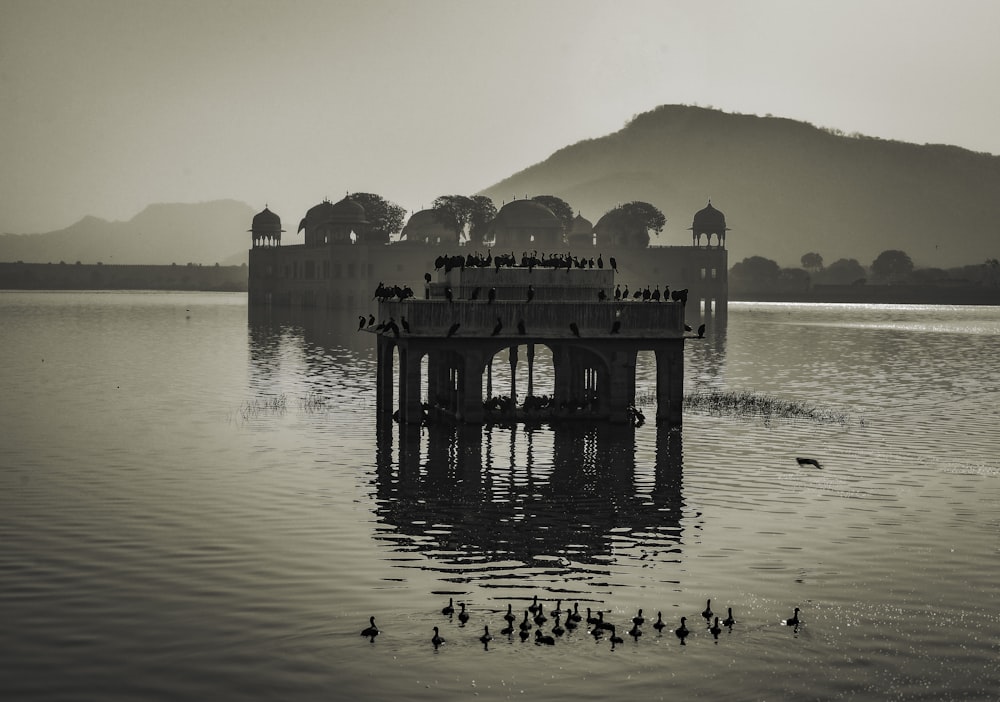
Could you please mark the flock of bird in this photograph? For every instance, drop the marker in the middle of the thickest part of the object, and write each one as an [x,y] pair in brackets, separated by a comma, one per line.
[565,621]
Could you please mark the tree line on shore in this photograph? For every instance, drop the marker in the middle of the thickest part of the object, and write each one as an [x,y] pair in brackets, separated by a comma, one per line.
[891,267]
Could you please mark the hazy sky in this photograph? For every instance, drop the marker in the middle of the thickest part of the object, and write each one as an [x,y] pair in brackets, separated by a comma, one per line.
[110,105]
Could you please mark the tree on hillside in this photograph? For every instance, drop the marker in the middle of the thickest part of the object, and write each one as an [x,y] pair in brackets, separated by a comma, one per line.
[892,266]
[843,271]
[560,208]
[812,261]
[384,218]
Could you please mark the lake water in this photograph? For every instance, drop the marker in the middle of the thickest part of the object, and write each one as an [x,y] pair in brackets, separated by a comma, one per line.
[194,505]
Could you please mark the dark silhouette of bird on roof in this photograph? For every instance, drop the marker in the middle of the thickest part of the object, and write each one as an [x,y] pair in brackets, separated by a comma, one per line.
[406,325]
[427,278]
[531,293]
[492,296]
[600,261]
[575,329]
[618,291]
[808,462]
[361,322]
[371,319]
[614,264]
[687,327]
[616,327]
[448,295]
[380,326]
[453,328]
[701,331]
[520,327]
[601,295]
[393,327]
[497,328]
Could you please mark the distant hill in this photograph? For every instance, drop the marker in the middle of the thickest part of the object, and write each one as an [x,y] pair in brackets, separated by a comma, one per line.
[786,187]
[205,232]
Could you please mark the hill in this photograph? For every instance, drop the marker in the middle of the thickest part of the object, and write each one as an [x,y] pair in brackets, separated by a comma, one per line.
[786,187]
[164,233]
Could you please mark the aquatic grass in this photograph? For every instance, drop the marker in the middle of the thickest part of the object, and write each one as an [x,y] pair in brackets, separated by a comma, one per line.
[313,402]
[753,405]
[262,406]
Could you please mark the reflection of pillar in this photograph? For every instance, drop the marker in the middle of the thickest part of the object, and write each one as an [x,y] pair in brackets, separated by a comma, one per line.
[621,385]
[513,374]
[531,370]
[561,365]
[670,384]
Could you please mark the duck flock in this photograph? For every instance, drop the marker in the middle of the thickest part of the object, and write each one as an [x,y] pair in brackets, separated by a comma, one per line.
[546,627]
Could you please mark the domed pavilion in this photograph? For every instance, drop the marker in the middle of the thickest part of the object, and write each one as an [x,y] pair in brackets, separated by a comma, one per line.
[329,223]
[265,229]
[526,224]
[709,221]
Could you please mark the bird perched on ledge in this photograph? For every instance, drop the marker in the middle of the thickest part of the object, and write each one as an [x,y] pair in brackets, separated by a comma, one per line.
[575,329]
[453,328]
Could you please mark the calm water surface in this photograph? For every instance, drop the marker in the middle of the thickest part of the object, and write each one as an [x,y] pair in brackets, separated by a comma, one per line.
[198,506]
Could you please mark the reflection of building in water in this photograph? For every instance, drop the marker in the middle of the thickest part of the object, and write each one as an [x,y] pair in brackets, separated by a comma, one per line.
[340,262]
[463,501]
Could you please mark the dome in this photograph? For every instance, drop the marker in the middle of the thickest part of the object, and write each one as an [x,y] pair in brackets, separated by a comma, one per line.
[425,225]
[266,222]
[581,226]
[526,214]
[709,220]
[348,211]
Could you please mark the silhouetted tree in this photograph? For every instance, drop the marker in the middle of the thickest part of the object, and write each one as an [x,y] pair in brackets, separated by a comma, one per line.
[560,208]
[843,271]
[892,266]
[756,271]
[632,222]
[812,261]
[454,212]
[483,212]
[384,218]
[793,279]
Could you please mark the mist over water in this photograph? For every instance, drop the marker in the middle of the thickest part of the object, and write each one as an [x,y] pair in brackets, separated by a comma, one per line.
[194,505]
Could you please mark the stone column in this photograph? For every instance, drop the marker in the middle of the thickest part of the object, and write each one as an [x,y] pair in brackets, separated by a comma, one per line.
[670,384]
[383,376]
[513,374]
[472,411]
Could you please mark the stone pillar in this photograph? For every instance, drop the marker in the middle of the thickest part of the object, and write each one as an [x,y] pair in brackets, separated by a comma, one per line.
[670,384]
[621,388]
[410,409]
[383,376]
[471,396]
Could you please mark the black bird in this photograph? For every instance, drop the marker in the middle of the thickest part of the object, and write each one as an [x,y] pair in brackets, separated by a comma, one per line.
[427,278]
[497,328]
[601,295]
[614,264]
[540,617]
[543,640]
[625,293]
[534,606]
[794,620]
[436,639]
[486,637]
[715,628]
[729,621]
[361,322]
[463,616]
[687,327]
[575,614]
[708,610]
[449,609]
[600,261]
[510,615]
[682,630]
[615,638]
[406,325]
[659,624]
[575,329]
[448,295]
[525,624]
[371,631]
[492,295]
[557,629]
[393,327]
[618,292]
[638,618]
[616,327]
[475,294]
[701,331]
[371,319]
[453,328]
[520,327]
[635,632]
[808,462]
[380,326]
[531,293]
